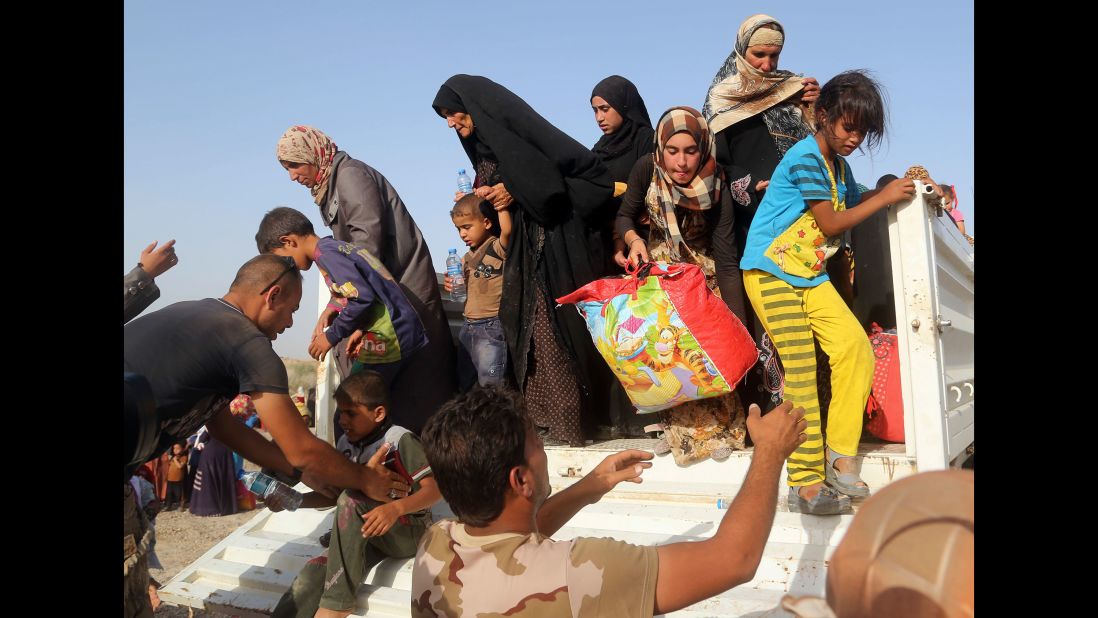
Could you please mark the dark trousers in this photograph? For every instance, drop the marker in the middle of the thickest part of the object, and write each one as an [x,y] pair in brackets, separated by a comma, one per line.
[175,493]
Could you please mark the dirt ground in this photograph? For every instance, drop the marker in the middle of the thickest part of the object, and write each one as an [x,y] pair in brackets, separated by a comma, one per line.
[181,538]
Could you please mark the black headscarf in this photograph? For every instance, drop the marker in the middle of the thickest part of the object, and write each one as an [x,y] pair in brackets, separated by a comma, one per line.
[562,194]
[635,138]
[547,172]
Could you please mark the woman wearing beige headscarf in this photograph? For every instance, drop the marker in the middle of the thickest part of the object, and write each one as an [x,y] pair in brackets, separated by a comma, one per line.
[685,196]
[756,113]
[362,208]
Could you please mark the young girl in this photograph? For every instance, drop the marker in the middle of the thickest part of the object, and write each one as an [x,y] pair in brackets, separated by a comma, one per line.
[798,226]
[949,192]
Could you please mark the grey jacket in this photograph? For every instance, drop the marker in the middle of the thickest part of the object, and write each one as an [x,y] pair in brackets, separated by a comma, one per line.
[362,208]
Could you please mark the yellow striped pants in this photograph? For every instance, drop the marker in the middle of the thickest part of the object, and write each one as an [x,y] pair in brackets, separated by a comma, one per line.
[795,318]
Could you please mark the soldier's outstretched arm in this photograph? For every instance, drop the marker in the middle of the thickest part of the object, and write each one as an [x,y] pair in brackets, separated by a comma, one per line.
[622,466]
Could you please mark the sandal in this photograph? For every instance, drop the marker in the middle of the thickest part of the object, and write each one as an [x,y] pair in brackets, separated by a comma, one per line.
[827,502]
[846,482]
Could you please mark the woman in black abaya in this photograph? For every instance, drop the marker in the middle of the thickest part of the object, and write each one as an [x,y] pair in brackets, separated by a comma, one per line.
[561,196]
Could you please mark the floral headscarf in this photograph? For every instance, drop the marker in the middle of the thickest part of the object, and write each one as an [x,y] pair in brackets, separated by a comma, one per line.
[303,144]
[739,90]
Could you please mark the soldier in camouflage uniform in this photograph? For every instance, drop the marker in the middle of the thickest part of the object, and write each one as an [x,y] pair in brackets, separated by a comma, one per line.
[499,559]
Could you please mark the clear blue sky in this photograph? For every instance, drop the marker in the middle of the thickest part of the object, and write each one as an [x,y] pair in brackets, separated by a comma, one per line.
[210,87]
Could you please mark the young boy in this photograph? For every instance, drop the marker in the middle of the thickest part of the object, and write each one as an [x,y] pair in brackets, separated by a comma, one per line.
[364,532]
[177,472]
[380,325]
[486,231]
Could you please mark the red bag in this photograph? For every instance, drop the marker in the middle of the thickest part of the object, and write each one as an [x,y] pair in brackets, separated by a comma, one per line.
[666,337]
[885,407]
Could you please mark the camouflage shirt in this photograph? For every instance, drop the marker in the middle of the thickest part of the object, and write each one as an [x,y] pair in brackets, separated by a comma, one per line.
[530,576]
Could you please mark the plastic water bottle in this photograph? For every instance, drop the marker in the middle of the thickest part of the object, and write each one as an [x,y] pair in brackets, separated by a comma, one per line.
[457,279]
[723,503]
[465,184]
[266,487]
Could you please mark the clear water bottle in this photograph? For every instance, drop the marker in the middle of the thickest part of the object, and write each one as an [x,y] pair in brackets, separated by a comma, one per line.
[457,279]
[465,184]
[266,487]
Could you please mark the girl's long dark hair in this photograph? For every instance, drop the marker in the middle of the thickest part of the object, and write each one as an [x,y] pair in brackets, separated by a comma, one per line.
[858,99]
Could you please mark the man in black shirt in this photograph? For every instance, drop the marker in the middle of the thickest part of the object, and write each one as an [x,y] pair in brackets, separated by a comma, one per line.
[198,355]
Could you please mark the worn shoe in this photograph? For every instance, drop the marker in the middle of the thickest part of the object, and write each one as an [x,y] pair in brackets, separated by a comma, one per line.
[846,482]
[827,502]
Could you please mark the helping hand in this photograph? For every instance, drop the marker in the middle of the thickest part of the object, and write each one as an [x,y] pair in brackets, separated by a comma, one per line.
[624,466]
[498,195]
[381,483]
[780,432]
[319,346]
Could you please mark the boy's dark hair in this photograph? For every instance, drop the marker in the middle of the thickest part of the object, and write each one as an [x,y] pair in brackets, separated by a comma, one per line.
[471,204]
[857,98]
[884,180]
[472,443]
[365,388]
[280,222]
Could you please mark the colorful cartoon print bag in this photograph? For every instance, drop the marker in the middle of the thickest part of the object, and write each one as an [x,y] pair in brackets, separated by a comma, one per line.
[666,337]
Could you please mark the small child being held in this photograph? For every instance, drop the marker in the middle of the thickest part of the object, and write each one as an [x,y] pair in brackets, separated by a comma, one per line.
[364,531]
[486,230]
[380,325]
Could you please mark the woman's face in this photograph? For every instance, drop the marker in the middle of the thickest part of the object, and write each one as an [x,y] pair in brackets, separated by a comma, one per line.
[459,121]
[681,157]
[607,117]
[302,173]
[763,57]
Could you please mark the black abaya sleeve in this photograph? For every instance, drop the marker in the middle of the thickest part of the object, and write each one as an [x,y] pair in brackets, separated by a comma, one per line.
[727,259]
[632,202]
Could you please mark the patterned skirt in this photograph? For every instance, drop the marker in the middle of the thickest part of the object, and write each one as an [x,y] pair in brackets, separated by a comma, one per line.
[551,391]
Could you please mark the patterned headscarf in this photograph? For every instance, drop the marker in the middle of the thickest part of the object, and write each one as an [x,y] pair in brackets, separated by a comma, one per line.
[739,90]
[302,144]
[704,189]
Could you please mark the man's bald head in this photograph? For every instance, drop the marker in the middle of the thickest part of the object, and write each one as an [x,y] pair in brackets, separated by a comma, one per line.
[263,270]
